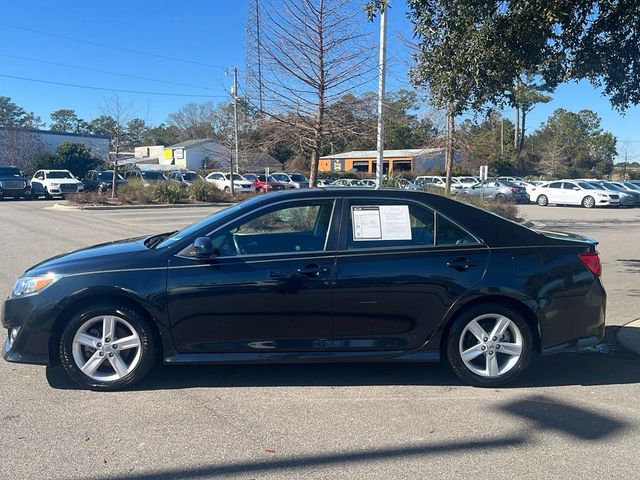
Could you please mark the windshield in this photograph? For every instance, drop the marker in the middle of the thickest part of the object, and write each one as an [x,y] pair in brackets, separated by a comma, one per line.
[586,186]
[632,186]
[152,175]
[59,175]
[9,172]
[190,176]
[298,178]
[202,223]
[107,176]
[612,186]
[235,177]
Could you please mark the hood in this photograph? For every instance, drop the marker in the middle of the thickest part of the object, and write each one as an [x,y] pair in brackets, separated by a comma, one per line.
[64,180]
[130,253]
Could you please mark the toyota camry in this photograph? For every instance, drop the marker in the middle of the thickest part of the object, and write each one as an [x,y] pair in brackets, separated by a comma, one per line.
[314,275]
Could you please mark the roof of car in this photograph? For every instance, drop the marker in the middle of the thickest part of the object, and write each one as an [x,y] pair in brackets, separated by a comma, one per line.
[495,231]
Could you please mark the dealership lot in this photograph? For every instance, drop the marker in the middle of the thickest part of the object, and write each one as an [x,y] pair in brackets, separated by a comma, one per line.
[574,413]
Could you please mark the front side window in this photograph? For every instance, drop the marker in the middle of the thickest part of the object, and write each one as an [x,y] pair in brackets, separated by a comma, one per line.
[294,227]
[568,186]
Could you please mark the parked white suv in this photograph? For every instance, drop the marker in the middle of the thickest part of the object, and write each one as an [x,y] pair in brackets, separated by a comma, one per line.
[222,181]
[574,192]
[51,183]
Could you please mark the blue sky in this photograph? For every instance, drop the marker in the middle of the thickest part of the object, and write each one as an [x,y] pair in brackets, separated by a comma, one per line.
[210,33]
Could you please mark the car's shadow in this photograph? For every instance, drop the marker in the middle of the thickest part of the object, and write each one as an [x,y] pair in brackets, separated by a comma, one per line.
[608,364]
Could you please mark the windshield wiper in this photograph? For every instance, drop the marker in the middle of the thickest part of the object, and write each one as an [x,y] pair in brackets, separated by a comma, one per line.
[154,240]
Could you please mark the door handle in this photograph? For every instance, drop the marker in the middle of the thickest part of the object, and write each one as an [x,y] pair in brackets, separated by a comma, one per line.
[312,270]
[461,264]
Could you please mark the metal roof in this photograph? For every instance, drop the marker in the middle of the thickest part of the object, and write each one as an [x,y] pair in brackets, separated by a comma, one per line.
[408,152]
[192,143]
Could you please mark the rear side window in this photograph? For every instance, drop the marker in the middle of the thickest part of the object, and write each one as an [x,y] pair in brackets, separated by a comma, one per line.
[448,233]
[555,185]
[389,223]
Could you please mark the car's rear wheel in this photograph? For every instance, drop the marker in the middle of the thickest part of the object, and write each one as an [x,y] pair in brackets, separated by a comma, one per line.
[500,198]
[588,202]
[542,200]
[227,189]
[489,345]
[107,347]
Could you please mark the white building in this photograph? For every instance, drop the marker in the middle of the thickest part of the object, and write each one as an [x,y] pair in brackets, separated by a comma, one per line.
[196,154]
[19,143]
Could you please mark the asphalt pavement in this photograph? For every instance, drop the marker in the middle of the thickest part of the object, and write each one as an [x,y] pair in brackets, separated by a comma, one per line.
[570,416]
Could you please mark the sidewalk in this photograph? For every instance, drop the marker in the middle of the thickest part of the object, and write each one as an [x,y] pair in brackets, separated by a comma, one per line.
[629,336]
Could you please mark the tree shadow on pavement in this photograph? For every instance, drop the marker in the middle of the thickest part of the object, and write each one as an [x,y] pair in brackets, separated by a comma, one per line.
[538,414]
[596,366]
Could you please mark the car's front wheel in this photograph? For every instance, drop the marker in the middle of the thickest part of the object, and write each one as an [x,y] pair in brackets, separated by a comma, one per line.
[107,347]
[489,345]
[588,202]
[542,200]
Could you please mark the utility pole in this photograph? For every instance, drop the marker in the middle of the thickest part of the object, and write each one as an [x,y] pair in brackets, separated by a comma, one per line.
[626,158]
[502,137]
[382,65]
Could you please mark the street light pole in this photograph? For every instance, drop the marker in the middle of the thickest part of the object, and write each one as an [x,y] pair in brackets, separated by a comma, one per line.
[381,84]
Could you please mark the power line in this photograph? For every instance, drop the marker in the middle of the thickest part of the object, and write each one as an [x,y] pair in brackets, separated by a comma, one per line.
[90,87]
[113,47]
[97,70]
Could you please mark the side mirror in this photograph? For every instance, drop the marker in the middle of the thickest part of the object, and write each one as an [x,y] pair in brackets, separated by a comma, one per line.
[576,188]
[203,247]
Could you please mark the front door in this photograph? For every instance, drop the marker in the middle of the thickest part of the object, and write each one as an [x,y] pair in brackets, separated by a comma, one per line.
[267,289]
[397,274]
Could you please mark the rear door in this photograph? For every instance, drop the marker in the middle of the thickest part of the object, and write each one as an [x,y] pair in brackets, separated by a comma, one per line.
[399,268]
[554,192]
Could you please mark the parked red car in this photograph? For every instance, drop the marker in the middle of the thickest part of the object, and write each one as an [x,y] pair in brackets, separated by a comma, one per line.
[263,184]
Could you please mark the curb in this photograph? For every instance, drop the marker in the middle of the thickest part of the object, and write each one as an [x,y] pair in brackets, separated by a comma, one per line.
[629,336]
[60,206]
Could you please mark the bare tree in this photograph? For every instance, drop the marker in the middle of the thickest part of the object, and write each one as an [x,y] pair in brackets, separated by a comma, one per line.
[18,146]
[312,53]
[117,114]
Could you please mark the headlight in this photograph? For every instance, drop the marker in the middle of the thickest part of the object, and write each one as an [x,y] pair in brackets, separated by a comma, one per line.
[32,285]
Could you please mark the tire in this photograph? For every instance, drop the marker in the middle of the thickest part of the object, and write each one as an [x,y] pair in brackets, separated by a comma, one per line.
[227,189]
[542,200]
[47,195]
[500,198]
[487,364]
[97,361]
[588,202]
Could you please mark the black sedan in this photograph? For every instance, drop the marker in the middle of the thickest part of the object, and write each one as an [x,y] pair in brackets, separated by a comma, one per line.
[314,275]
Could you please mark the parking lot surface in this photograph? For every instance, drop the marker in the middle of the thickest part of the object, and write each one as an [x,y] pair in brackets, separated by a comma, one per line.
[570,416]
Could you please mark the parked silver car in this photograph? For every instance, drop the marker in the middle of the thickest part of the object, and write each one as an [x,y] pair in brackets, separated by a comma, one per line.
[501,191]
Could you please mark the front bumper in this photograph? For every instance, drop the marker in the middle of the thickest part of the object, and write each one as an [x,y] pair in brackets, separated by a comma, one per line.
[61,190]
[34,316]
[14,192]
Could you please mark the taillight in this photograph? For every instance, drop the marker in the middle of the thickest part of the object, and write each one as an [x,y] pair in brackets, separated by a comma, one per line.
[514,190]
[591,260]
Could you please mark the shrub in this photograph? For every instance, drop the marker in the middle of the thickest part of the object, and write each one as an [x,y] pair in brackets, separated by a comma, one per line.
[200,191]
[133,193]
[169,193]
[87,198]
[507,210]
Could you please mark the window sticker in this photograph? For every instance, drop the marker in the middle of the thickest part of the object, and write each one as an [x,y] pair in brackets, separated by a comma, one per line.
[381,222]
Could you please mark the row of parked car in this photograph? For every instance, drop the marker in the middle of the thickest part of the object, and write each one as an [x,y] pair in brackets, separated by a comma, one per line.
[58,183]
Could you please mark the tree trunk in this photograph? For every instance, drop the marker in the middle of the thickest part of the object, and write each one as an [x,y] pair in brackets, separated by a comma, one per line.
[516,126]
[114,186]
[449,151]
[522,130]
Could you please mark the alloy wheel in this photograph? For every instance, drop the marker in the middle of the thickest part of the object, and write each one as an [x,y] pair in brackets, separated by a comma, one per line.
[588,202]
[490,345]
[106,348]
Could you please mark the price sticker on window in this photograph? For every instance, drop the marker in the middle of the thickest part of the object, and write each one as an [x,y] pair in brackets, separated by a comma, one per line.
[381,222]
